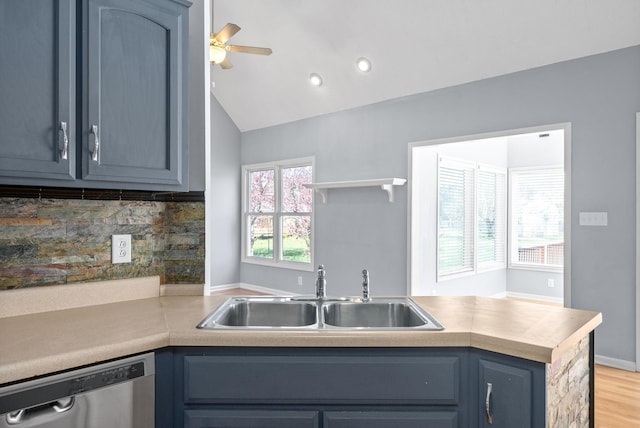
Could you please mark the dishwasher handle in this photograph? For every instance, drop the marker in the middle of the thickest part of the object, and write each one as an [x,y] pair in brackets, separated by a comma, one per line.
[23,415]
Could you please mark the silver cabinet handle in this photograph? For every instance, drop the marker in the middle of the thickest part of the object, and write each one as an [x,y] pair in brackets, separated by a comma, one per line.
[96,147]
[488,404]
[64,152]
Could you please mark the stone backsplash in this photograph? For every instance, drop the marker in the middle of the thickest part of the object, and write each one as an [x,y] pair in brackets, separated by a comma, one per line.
[58,241]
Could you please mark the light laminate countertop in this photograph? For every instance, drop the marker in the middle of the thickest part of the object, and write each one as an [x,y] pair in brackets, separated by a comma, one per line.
[47,341]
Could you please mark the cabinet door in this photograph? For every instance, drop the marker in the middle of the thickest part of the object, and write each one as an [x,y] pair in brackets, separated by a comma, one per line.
[251,419]
[37,90]
[507,391]
[395,419]
[134,93]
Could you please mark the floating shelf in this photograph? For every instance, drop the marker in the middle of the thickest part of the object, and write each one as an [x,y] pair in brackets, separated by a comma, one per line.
[386,184]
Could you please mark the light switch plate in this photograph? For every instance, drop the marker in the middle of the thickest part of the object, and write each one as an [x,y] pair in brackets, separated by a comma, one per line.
[593,219]
[120,249]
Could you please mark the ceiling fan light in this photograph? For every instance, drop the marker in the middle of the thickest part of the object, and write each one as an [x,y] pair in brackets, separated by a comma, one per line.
[363,64]
[315,79]
[217,54]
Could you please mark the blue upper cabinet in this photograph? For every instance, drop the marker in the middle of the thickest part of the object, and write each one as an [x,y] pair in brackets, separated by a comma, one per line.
[131,119]
[37,90]
[135,92]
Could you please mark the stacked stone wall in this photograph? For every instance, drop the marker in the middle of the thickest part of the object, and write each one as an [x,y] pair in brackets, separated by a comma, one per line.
[568,388]
[60,241]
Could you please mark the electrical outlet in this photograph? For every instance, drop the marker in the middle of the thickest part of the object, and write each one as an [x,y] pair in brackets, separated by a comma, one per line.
[551,283]
[120,249]
[300,280]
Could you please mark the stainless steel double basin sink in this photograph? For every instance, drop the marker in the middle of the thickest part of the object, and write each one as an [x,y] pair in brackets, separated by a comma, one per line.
[308,313]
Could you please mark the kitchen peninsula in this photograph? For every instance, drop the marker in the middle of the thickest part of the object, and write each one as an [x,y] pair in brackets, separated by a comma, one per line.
[51,329]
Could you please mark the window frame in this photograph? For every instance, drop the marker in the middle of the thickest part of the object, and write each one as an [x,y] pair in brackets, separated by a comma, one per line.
[475,267]
[511,234]
[278,214]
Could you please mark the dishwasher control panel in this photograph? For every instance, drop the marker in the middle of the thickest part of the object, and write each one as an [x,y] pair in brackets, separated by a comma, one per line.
[105,378]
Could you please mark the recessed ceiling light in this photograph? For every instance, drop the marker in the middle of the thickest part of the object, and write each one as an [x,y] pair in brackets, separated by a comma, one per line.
[315,79]
[363,64]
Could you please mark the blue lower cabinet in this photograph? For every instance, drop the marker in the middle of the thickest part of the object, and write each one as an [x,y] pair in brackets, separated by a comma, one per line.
[199,387]
[505,390]
[511,392]
[251,418]
[395,419]
[329,378]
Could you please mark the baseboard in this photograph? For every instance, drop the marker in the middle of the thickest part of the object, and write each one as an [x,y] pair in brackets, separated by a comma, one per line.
[251,287]
[225,287]
[266,290]
[539,297]
[501,295]
[616,363]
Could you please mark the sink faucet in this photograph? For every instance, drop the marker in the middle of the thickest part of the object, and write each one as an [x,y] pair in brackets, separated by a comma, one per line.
[321,283]
[365,286]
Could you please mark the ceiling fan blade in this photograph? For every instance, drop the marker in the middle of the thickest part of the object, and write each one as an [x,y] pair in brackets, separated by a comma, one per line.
[226,64]
[249,49]
[227,32]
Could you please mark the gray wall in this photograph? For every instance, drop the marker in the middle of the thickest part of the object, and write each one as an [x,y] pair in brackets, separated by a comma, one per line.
[196,96]
[225,193]
[598,95]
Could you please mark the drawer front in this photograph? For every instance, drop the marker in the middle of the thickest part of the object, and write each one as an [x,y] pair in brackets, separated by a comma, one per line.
[395,419]
[322,379]
[251,418]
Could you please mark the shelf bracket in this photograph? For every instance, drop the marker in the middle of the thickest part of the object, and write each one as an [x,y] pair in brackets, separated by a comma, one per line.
[389,189]
[323,193]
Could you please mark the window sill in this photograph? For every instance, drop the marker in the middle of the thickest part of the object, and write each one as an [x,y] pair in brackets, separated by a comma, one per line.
[551,269]
[306,267]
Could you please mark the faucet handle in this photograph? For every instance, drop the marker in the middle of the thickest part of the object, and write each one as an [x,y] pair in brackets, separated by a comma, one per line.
[321,283]
[365,286]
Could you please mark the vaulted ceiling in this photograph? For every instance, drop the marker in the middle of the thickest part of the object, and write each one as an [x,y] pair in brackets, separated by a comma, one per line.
[414,45]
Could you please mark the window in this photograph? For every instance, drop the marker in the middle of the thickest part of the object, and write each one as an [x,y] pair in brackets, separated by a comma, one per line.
[278,214]
[471,217]
[491,217]
[455,217]
[537,218]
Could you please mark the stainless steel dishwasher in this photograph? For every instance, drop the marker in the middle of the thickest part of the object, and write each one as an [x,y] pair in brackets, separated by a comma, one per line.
[115,394]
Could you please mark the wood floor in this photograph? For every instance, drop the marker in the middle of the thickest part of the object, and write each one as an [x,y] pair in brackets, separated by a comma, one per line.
[617,391]
[617,398]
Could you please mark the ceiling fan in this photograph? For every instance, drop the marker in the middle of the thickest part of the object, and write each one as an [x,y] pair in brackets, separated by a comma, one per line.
[218,47]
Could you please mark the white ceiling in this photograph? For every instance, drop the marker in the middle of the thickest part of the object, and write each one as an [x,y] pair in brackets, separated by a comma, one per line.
[415,46]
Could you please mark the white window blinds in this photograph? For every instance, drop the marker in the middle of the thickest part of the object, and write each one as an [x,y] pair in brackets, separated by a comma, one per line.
[456,208]
[471,217]
[537,206]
